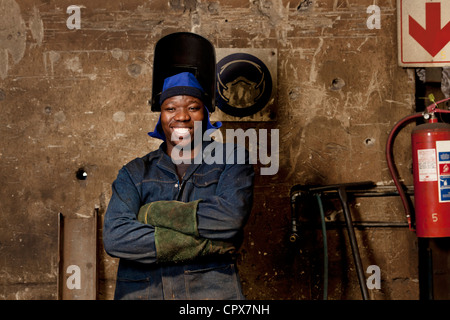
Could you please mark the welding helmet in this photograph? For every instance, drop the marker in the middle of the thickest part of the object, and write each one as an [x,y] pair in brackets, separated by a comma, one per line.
[184,52]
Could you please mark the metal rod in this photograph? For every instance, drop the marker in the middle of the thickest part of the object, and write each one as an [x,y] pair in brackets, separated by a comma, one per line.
[430,284]
[369,224]
[325,248]
[353,243]
[294,232]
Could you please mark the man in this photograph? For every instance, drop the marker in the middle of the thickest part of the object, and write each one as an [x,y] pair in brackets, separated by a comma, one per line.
[175,226]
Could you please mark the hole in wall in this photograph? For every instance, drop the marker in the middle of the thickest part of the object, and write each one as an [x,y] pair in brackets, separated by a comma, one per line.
[369,142]
[81,174]
[134,70]
[304,5]
[337,84]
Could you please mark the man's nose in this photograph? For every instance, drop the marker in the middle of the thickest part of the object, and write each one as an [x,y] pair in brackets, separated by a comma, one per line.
[182,115]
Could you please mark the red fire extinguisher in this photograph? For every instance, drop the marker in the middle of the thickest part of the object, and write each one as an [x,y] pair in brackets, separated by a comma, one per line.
[431,171]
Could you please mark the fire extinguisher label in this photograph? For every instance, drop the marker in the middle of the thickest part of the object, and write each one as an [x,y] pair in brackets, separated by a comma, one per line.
[443,152]
[426,159]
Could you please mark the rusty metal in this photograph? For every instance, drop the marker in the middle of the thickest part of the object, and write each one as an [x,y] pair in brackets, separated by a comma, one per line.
[77,257]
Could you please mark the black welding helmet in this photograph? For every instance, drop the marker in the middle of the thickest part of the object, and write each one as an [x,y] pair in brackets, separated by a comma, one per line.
[184,52]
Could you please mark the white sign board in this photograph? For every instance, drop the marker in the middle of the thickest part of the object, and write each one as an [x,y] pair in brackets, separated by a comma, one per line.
[423,33]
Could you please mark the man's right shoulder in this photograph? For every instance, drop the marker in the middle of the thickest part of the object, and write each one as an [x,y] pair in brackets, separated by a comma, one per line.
[144,160]
[138,168]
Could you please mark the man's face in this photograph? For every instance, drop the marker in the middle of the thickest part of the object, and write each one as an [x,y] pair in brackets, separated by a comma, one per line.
[178,114]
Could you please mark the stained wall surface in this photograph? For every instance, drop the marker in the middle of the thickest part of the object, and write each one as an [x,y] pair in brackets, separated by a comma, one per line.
[74,99]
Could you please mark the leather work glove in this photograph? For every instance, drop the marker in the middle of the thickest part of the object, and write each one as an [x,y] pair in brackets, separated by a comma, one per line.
[175,246]
[175,215]
[176,234]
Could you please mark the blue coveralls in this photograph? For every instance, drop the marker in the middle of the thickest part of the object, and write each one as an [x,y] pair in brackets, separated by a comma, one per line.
[226,190]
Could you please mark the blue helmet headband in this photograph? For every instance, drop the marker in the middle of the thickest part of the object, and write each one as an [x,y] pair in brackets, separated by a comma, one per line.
[186,84]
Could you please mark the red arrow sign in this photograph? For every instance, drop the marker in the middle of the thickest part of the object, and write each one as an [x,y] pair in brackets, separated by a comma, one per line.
[432,38]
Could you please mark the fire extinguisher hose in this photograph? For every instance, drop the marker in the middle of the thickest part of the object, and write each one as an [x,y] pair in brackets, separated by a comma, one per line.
[391,165]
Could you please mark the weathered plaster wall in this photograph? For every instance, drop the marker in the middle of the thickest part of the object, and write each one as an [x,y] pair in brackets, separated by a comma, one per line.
[72,99]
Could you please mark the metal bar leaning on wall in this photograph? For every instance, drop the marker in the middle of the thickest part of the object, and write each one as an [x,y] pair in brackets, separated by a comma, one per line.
[77,257]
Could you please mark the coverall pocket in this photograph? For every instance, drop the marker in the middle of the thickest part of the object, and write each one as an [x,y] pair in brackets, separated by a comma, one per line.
[205,184]
[214,283]
[132,289]
[208,178]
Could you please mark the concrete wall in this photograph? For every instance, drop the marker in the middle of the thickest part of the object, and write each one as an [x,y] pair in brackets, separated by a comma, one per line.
[74,99]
